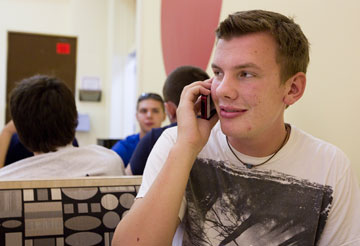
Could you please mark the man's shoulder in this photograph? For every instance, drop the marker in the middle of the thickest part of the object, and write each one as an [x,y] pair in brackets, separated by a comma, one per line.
[96,150]
[143,149]
[155,133]
[24,168]
[22,162]
[127,142]
[102,155]
[133,137]
[81,154]
[304,151]
[303,138]
[92,158]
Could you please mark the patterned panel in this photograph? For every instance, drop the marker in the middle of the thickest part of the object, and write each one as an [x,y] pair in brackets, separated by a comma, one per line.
[11,204]
[62,216]
[42,219]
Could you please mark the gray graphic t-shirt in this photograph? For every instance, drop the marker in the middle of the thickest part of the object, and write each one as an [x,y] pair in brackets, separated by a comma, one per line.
[252,207]
[305,195]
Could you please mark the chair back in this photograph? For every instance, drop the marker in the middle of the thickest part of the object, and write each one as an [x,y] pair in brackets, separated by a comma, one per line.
[81,211]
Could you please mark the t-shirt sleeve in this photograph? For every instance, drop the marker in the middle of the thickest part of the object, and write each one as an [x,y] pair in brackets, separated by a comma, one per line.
[121,150]
[140,155]
[118,165]
[155,162]
[342,226]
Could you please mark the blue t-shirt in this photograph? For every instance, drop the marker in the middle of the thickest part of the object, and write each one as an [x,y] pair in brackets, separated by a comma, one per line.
[16,151]
[125,147]
[143,149]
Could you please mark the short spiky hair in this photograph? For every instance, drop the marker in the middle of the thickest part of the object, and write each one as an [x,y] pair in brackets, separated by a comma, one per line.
[44,113]
[178,79]
[292,45]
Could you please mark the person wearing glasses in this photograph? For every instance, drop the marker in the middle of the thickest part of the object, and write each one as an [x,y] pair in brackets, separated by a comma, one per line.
[173,86]
[150,113]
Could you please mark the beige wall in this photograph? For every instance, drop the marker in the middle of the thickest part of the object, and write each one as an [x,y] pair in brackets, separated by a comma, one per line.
[328,109]
[28,16]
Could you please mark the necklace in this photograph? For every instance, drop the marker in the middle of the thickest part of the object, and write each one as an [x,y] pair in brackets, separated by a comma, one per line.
[248,165]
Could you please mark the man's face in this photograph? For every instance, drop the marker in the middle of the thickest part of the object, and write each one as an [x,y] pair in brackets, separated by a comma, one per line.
[149,114]
[246,88]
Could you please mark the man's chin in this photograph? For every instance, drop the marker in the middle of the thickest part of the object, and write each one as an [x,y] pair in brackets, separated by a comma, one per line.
[231,129]
[226,129]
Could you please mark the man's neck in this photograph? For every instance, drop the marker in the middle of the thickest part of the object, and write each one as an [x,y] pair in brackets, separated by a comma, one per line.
[263,145]
[57,148]
[142,134]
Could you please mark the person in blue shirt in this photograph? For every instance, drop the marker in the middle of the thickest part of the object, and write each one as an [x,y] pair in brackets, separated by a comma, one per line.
[173,86]
[150,113]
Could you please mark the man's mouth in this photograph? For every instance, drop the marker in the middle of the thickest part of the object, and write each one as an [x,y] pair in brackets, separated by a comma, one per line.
[231,112]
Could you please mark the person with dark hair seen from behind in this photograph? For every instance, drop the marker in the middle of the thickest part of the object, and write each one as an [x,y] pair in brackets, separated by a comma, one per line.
[44,114]
[251,178]
[150,113]
[11,149]
[173,86]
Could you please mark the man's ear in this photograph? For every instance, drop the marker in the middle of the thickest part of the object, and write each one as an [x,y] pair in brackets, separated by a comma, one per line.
[295,87]
[170,109]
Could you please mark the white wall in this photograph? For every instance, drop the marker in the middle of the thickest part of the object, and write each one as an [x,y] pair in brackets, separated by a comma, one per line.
[123,91]
[105,30]
[49,17]
[328,108]
[151,75]
[90,24]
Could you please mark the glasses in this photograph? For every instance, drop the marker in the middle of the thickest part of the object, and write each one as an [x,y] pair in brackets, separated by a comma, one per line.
[147,95]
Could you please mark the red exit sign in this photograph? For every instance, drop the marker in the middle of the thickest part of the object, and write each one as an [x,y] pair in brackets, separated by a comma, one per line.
[63,48]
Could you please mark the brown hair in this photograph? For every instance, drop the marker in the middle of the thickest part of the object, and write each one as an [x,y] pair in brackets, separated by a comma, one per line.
[178,79]
[44,113]
[292,45]
[150,95]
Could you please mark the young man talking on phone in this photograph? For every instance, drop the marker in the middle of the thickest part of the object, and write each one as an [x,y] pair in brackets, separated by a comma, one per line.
[251,179]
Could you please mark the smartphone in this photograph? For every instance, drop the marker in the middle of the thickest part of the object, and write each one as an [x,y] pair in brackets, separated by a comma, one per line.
[207,107]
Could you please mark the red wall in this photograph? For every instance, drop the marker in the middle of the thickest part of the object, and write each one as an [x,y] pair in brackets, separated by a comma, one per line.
[188,32]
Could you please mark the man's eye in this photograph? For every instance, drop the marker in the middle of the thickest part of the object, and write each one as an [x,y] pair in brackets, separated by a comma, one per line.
[246,75]
[217,73]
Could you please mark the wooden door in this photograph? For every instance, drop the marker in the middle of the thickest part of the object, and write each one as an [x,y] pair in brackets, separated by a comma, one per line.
[30,54]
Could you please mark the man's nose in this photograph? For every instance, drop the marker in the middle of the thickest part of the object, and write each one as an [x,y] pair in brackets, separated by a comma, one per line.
[227,88]
[149,114]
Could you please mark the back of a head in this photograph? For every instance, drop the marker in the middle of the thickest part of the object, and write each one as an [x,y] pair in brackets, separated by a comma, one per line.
[44,113]
[292,44]
[178,79]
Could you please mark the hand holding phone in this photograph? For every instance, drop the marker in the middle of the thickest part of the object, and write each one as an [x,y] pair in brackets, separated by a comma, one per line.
[207,107]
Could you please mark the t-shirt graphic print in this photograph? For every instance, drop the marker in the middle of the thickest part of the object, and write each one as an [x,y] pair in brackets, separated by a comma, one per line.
[239,206]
